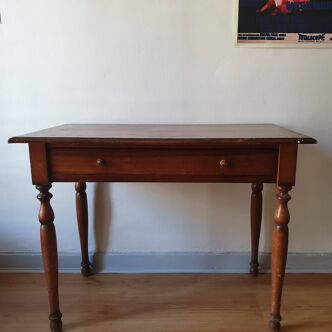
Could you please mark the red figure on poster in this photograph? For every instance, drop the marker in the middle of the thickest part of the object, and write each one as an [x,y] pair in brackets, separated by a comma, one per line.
[279,6]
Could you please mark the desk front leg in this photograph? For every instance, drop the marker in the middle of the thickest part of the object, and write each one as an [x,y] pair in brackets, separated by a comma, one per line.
[279,253]
[50,255]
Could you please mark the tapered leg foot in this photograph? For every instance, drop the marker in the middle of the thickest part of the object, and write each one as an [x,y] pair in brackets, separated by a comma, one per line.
[56,322]
[256,221]
[82,221]
[254,269]
[86,269]
[274,323]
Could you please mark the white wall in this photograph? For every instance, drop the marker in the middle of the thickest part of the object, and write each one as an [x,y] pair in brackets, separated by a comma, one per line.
[156,61]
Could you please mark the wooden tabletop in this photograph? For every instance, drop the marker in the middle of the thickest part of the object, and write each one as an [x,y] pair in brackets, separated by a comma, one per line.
[103,133]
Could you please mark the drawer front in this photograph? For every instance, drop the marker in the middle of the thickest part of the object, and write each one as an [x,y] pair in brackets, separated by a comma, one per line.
[151,165]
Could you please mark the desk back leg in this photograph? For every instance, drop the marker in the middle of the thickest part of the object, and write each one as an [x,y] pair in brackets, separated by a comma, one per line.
[256,221]
[82,221]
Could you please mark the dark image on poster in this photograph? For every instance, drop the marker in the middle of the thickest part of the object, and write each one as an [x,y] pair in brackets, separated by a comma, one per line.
[282,22]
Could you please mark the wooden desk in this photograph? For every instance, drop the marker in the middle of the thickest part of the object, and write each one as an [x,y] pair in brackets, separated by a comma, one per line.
[164,153]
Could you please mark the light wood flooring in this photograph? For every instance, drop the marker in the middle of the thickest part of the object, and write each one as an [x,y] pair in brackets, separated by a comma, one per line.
[165,303]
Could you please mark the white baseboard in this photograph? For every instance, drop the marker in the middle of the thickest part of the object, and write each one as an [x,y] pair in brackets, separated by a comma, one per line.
[166,262]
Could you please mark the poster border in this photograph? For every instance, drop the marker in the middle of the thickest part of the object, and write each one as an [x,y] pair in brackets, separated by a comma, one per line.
[236,6]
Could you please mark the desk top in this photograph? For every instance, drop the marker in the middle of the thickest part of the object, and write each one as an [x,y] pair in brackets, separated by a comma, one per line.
[111,133]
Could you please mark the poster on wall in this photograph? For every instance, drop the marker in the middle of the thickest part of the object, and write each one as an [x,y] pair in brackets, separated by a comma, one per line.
[284,23]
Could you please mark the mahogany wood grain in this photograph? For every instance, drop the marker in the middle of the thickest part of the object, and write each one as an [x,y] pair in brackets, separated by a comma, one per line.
[50,255]
[38,163]
[164,153]
[172,134]
[256,221]
[287,164]
[167,165]
[83,227]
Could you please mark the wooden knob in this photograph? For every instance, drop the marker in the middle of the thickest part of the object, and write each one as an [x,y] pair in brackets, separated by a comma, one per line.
[101,162]
[223,163]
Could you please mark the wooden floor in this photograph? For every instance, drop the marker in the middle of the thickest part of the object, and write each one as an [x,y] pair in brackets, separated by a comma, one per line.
[165,303]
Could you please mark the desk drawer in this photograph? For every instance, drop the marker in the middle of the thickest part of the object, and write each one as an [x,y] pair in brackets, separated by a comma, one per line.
[151,165]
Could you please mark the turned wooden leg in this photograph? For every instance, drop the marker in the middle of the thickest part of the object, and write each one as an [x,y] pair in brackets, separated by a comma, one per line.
[50,255]
[82,220]
[279,253]
[256,221]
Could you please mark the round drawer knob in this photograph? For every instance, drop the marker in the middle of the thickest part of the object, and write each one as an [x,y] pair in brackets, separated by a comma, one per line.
[101,162]
[223,163]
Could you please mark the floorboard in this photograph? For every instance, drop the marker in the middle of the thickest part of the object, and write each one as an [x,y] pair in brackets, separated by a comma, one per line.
[165,303]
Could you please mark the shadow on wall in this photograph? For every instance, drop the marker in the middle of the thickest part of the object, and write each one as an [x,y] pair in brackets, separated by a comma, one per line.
[269,205]
[101,223]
